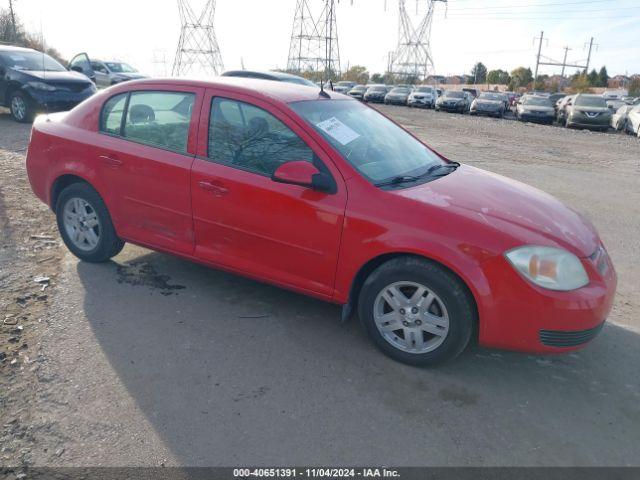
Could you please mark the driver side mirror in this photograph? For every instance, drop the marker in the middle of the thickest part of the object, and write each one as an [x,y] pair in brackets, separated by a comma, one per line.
[303,174]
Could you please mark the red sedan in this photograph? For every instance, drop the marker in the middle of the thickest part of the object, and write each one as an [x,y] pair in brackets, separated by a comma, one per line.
[316,192]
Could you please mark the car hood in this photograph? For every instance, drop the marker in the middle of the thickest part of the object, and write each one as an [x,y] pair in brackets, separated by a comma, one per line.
[492,103]
[526,214]
[577,108]
[70,77]
[450,99]
[537,108]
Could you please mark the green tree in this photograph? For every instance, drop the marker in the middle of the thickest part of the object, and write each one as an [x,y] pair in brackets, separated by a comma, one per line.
[634,87]
[520,77]
[603,77]
[580,84]
[479,73]
[358,74]
[376,78]
[499,77]
[592,78]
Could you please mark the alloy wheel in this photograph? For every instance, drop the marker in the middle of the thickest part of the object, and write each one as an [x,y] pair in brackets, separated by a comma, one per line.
[411,317]
[18,107]
[81,224]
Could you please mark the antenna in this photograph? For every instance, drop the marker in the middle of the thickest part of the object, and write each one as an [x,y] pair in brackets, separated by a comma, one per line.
[198,51]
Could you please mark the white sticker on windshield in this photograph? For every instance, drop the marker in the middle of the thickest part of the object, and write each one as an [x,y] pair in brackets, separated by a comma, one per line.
[338,130]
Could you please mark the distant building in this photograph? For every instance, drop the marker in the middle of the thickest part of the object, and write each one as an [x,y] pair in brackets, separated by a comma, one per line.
[619,81]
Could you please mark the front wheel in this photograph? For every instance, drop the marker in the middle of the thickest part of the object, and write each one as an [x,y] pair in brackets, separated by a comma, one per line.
[20,107]
[416,311]
[85,224]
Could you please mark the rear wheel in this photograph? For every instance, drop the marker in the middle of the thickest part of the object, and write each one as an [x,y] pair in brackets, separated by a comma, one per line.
[416,311]
[85,224]
[21,107]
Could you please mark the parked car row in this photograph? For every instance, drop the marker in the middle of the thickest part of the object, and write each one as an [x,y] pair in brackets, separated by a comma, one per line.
[32,81]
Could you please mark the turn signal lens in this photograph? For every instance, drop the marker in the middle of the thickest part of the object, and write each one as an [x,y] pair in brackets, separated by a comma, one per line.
[547,267]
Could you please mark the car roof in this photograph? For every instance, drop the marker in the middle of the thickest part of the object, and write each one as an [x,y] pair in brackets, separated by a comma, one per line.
[11,48]
[274,90]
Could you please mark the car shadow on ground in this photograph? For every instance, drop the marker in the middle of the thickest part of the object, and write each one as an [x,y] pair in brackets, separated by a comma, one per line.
[231,371]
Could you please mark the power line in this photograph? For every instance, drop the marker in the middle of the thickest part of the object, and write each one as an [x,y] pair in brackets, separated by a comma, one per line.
[531,5]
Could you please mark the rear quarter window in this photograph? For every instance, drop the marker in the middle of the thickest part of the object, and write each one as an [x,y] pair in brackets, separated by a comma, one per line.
[111,116]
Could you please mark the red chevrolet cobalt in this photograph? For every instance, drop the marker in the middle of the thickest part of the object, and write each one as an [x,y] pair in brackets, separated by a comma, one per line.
[318,193]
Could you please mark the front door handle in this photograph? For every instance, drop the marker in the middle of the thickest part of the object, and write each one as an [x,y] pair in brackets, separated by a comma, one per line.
[217,190]
[112,162]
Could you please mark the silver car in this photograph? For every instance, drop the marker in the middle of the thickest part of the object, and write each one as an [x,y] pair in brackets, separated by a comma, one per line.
[423,96]
[113,72]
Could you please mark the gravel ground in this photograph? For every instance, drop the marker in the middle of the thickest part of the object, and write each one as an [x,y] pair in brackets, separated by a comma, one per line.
[151,360]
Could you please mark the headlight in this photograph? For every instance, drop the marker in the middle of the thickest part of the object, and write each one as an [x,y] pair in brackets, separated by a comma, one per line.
[547,267]
[41,86]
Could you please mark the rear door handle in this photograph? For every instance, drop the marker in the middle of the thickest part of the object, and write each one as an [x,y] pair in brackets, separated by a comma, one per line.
[217,190]
[113,162]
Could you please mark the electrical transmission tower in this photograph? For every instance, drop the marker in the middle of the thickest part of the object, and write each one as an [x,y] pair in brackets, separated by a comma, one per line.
[412,58]
[198,52]
[314,40]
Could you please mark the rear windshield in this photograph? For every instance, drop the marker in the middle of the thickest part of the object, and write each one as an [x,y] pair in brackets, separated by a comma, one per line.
[452,94]
[590,101]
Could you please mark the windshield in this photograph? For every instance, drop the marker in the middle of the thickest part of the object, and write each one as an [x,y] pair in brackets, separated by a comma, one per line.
[34,61]
[537,101]
[378,89]
[378,148]
[359,88]
[590,101]
[490,96]
[451,94]
[400,90]
[424,89]
[119,67]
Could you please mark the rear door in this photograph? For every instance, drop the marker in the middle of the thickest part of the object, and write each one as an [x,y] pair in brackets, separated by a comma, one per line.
[146,155]
[243,220]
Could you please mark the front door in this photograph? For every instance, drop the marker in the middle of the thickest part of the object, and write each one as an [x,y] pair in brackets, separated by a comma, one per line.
[146,161]
[243,220]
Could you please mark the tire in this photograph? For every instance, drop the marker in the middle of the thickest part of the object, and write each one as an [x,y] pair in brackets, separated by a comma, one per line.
[450,304]
[21,107]
[79,207]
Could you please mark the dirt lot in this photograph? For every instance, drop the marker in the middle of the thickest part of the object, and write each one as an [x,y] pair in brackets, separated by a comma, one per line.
[150,360]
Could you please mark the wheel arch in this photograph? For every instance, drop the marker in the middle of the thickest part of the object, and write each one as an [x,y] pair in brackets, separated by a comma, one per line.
[62,182]
[368,268]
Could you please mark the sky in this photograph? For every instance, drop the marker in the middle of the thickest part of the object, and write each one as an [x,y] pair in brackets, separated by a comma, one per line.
[256,33]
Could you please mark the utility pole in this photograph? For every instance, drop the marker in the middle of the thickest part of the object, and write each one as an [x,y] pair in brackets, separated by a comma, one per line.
[564,62]
[589,57]
[13,21]
[535,78]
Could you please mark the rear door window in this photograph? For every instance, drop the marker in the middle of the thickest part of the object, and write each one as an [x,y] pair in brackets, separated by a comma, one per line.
[160,119]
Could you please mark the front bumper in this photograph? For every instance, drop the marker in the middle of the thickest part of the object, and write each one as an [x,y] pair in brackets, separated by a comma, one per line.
[59,100]
[536,117]
[485,111]
[395,101]
[374,99]
[420,102]
[527,318]
[449,107]
[586,122]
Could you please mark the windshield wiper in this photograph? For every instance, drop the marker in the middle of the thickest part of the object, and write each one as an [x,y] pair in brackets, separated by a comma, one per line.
[447,166]
[399,180]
